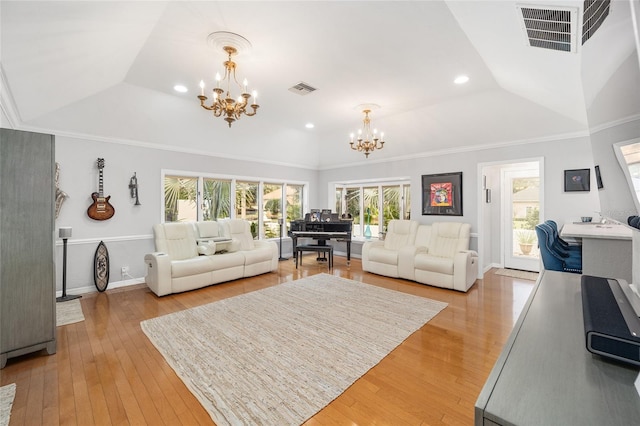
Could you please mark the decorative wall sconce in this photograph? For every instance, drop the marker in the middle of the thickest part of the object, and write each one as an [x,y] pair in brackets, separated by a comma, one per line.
[133,187]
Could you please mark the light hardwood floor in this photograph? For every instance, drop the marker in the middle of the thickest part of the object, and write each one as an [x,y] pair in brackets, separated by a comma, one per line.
[107,372]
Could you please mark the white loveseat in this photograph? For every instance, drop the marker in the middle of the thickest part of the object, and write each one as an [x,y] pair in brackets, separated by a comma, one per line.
[436,254]
[197,254]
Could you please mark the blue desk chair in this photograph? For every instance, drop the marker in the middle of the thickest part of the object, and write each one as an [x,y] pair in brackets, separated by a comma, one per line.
[552,259]
[560,243]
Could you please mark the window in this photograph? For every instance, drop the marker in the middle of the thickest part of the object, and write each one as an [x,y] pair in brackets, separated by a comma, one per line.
[391,200]
[374,204]
[406,206]
[216,199]
[339,198]
[191,198]
[180,201]
[370,205]
[353,208]
[628,154]
[295,202]
[272,209]
[247,204]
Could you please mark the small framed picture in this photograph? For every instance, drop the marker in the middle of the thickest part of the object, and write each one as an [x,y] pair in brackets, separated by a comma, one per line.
[599,178]
[577,180]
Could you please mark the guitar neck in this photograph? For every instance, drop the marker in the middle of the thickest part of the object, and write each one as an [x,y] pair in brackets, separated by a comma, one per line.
[100,185]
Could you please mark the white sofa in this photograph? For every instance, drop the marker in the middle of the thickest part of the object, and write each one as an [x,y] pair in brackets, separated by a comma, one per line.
[436,254]
[197,254]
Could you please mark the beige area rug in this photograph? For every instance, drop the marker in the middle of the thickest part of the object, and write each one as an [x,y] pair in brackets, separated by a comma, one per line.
[69,312]
[7,394]
[279,355]
[525,275]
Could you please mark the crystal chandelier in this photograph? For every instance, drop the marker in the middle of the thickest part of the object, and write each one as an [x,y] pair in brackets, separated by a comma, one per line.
[223,104]
[367,140]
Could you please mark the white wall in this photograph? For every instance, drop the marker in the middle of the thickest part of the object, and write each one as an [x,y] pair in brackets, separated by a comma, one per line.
[128,235]
[624,85]
[559,155]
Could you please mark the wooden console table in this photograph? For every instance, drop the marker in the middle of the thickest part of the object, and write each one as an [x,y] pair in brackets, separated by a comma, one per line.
[545,376]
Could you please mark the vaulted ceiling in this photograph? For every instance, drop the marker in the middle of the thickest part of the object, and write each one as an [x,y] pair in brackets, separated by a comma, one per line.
[107,70]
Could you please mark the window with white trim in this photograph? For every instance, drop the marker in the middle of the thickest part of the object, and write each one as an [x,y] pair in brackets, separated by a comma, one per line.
[373,204]
[193,197]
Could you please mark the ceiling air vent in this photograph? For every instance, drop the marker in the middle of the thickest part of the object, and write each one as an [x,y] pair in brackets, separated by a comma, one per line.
[595,11]
[302,89]
[549,27]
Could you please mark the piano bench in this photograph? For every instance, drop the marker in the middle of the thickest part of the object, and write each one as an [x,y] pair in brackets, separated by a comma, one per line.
[316,248]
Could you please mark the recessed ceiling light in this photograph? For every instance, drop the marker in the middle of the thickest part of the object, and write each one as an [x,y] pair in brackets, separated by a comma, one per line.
[309,126]
[461,79]
[180,88]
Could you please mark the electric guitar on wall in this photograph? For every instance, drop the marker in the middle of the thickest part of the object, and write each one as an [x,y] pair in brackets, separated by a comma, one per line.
[100,209]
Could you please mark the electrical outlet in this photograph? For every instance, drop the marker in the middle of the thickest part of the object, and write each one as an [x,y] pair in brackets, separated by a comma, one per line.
[125,270]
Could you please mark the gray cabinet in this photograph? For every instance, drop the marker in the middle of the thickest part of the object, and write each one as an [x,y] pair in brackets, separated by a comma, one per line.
[27,250]
[546,376]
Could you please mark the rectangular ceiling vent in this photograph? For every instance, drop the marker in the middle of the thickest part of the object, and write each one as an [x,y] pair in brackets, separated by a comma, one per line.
[550,27]
[302,88]
[595,11]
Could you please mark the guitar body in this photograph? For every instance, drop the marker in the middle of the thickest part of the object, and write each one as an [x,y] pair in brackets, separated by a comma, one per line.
[100,209]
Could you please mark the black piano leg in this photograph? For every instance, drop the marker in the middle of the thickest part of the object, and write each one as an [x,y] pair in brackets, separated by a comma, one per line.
[322,258]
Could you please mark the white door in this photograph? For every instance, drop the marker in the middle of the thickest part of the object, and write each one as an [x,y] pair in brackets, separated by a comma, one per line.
[521,212]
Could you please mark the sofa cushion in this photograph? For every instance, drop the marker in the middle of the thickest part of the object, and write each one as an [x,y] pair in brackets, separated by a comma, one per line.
[226,261]
[447,238]
[426,262]
[400,233]
[195,266]
[382,255]
[240,231]
[257,255]
[178,240]
[208,229]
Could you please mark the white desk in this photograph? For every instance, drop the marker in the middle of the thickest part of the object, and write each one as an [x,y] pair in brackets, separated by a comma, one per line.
[606,248]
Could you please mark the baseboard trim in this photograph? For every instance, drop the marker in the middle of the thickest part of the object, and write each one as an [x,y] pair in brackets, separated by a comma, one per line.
[111,286]
[491,266]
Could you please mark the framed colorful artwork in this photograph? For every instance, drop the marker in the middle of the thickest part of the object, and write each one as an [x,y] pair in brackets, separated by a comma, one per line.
[577,180]
[442,194]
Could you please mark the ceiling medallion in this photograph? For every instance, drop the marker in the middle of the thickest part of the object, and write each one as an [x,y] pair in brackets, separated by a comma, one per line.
[223,103]
[367,140]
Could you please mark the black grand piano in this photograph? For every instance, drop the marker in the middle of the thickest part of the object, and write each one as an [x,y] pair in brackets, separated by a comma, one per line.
[322,226]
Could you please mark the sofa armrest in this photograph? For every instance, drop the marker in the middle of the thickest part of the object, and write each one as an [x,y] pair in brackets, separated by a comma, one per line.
[407,261]
[465,269]
[273,247]
[158,273]
[366,247]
